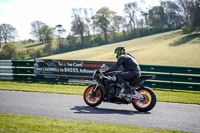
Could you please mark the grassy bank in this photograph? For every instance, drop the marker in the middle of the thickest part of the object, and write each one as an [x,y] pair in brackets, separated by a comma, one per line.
[169,48]
[192,97]
[10,123]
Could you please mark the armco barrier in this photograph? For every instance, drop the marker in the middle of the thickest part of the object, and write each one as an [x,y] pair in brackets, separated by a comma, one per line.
[170,77]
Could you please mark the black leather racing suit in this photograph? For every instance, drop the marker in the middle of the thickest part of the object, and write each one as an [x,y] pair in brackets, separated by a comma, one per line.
[131,69]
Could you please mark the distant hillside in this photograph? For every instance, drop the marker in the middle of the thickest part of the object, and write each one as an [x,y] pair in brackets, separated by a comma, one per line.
[170,48]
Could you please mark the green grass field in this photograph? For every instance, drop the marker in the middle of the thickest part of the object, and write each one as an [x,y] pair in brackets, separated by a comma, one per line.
[10,123]
[192,97]
[170,48]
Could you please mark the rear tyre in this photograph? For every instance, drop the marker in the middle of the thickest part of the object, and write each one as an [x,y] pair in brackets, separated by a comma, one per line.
[148,103]
[92,98]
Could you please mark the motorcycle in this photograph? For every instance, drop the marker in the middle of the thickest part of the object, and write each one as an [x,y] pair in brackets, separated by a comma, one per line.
[144,99]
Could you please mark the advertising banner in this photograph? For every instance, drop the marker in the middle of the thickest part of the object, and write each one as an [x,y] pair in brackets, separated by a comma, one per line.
[66,69]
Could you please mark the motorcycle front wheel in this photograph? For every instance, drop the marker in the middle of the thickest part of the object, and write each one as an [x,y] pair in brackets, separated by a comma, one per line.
[148,102]
[91,97]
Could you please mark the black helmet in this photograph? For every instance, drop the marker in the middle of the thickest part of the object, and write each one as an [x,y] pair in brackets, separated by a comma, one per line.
[119,51]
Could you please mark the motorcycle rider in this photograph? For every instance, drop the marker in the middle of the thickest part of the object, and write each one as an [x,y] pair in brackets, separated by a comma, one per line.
[131,70]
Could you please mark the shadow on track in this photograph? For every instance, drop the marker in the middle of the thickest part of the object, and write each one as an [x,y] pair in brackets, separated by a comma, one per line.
[96,110]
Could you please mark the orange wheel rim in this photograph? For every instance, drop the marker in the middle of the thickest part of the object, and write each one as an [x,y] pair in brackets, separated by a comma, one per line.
[92,99]
[146,102]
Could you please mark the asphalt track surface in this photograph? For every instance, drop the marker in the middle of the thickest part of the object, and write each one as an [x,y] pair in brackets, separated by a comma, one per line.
[174,116]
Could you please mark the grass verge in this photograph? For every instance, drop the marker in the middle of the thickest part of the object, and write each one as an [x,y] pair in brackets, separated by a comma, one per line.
[10,123]
[176,96]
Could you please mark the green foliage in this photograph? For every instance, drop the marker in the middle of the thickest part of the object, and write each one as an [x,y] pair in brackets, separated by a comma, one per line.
[185,30]
[157,17]
[9,51]
[103,19]
[29,53]
[196,17]
[173,13]
[31,41]
[59,31]
[193,17]
[24,42]
[79,25]
[27,41]
[35,26]
[99,40]
[22,55]
[48,48]
[46,34]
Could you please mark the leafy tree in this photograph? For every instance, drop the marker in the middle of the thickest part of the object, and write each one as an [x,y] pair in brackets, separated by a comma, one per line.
[193,17]
[157,17]
[8,52]
[79,24]
[172,10]
[145,16]
[117,22]
[185,6]
[196,16]
[7,32]
[103,20]
[115,27]
[36,25]
[125,25]
[45,34]
[92,22]
[59,32]
[88,13]
[130,9]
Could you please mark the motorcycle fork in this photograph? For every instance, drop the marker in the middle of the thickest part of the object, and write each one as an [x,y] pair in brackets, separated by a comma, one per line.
[94,90]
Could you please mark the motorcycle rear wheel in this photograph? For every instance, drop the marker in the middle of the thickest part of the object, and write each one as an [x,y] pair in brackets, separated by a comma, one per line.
[148,103]
[91,98]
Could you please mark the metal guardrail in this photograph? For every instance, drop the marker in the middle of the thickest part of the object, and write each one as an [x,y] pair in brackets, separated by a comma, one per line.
[169,77]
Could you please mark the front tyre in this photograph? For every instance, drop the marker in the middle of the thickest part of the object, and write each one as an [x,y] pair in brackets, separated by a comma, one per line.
[93,98]
[149,100]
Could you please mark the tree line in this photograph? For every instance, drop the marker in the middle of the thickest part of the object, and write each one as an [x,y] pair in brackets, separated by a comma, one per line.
[91,28]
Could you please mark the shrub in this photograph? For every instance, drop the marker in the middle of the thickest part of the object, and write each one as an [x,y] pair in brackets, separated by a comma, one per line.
[8,52]
[185,30]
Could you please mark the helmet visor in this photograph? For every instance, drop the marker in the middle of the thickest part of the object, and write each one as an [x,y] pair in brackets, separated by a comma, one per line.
[116,51]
